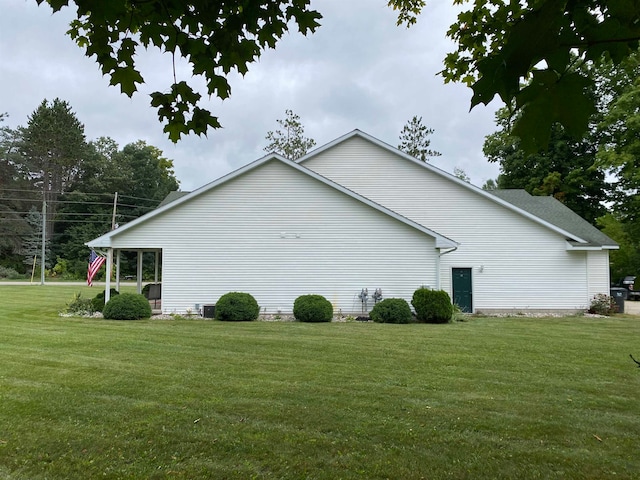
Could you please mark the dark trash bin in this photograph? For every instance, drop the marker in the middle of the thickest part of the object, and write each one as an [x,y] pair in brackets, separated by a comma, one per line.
[209,311]
[619,295]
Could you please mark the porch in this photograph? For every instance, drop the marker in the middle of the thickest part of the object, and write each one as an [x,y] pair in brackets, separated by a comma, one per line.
[114,257]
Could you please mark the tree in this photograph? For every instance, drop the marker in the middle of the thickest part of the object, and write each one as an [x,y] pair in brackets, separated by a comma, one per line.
[619,152]
[494,52]
[626,260]
[32,242]
[414,140]
[490,185]
[214,37]
[461,174]
[567,170]
[15,198]
[620,147]
[496,56]
[52,146]
[141,176]
[289,142]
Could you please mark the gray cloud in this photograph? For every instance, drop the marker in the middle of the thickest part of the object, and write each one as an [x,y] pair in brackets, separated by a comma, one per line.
[358,71]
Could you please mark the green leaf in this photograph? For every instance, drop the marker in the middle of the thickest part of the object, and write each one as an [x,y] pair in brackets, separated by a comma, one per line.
[492,81]
[127,79]
[55,5]
[215,37]
[549,99]
[534,126]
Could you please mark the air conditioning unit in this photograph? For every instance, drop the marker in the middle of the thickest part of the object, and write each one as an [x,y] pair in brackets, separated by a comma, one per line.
[209,311]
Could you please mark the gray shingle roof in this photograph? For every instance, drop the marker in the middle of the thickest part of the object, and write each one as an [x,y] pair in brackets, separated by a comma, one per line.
[556,213]
[172,196]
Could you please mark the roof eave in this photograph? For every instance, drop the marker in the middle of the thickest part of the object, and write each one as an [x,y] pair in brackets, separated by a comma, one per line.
[576,246]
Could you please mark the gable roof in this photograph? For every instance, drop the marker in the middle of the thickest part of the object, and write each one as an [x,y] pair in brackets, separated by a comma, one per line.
[558,227]
[177,200]
[557,213]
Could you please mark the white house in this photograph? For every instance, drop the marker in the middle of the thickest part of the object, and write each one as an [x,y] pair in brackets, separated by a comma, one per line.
[356,214]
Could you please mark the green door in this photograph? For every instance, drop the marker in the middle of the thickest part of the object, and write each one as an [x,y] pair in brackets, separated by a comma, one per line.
[462,292]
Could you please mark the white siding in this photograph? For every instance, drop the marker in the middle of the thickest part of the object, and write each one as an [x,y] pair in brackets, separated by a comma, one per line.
[598,266]
[277,233]
[517,264]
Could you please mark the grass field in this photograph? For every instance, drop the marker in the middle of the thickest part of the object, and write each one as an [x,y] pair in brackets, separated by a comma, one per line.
[486,398]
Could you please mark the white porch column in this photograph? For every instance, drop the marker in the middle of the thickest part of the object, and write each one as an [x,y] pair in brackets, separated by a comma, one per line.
[107,283]
[155,277]
[118,270]
[139,272]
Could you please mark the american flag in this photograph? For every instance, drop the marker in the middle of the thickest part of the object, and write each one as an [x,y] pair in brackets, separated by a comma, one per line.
[95,262]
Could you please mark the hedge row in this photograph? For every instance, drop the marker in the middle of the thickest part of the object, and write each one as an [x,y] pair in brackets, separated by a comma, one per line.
[431,306]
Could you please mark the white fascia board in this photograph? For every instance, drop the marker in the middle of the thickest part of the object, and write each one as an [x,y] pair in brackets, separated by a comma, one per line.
[442,173]
[572,246]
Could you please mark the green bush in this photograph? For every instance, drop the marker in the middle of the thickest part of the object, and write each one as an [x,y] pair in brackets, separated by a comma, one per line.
[432,306]
[79,305]
[127,306]
[97,302]
[312,308]
[391,310]
[237,307]
[14,261]
[10,273]
[603,304]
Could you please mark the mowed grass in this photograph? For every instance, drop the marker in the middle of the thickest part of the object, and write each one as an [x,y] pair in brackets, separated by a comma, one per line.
[486,398]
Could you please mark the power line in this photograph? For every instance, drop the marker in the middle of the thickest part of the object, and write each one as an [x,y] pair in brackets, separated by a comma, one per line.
[79,202]
[75,192]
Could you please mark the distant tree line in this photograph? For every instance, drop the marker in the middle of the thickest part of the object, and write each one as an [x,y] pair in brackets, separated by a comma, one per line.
[49,161]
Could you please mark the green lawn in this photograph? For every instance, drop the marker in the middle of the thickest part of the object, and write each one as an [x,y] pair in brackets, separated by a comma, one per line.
[487,398]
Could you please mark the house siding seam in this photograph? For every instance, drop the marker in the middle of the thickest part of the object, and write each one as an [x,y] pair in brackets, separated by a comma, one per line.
[525,266]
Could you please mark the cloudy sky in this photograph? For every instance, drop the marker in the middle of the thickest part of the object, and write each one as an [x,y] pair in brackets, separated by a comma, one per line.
[359,70]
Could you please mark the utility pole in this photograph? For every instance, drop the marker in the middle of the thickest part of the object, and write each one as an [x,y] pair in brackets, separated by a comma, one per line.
[44,239]
[115,205]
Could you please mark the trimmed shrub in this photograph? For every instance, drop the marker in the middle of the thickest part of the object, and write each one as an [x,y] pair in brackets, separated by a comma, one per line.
[391,310]
[127,306]
[97,302]
[312,308]
[237,307]
[432,306]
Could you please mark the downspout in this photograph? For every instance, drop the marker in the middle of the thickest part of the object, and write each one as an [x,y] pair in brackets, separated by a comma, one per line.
[440,254]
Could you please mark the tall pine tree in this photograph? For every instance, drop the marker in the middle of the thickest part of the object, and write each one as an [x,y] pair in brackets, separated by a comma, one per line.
[52,146]
[414,140]
[290,141]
